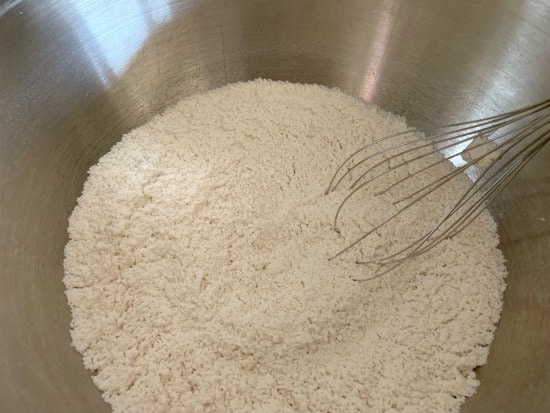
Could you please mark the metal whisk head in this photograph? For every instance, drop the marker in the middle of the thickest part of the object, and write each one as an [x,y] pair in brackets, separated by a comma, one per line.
[504,144]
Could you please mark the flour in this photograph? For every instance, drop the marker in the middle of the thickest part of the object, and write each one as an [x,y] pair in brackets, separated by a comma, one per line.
[198,277]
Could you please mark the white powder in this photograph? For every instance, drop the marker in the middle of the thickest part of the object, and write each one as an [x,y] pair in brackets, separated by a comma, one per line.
[198,278]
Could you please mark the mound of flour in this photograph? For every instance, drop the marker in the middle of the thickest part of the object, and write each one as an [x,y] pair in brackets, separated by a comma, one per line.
[198,277]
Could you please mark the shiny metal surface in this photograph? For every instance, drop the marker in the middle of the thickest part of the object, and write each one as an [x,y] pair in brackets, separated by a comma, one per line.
[76,74]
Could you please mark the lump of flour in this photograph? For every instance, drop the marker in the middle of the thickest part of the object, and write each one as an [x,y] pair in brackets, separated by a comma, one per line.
[198,277]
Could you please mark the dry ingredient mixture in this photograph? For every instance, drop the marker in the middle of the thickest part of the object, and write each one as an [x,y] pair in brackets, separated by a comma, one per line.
[198,276]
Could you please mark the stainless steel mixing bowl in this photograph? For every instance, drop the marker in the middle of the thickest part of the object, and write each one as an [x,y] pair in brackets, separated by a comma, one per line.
[76,74]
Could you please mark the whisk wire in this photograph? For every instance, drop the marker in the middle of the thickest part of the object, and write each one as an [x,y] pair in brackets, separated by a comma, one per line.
[459,170]
[463,126]
[430,187]
[455,141]
[355,190]
[464,220]
[442,160]
[515,138]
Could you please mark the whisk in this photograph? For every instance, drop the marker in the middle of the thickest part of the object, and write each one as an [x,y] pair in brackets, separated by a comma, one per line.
[505,142]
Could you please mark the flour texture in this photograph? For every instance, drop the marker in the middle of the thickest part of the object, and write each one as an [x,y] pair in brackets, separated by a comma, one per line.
[198,277]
